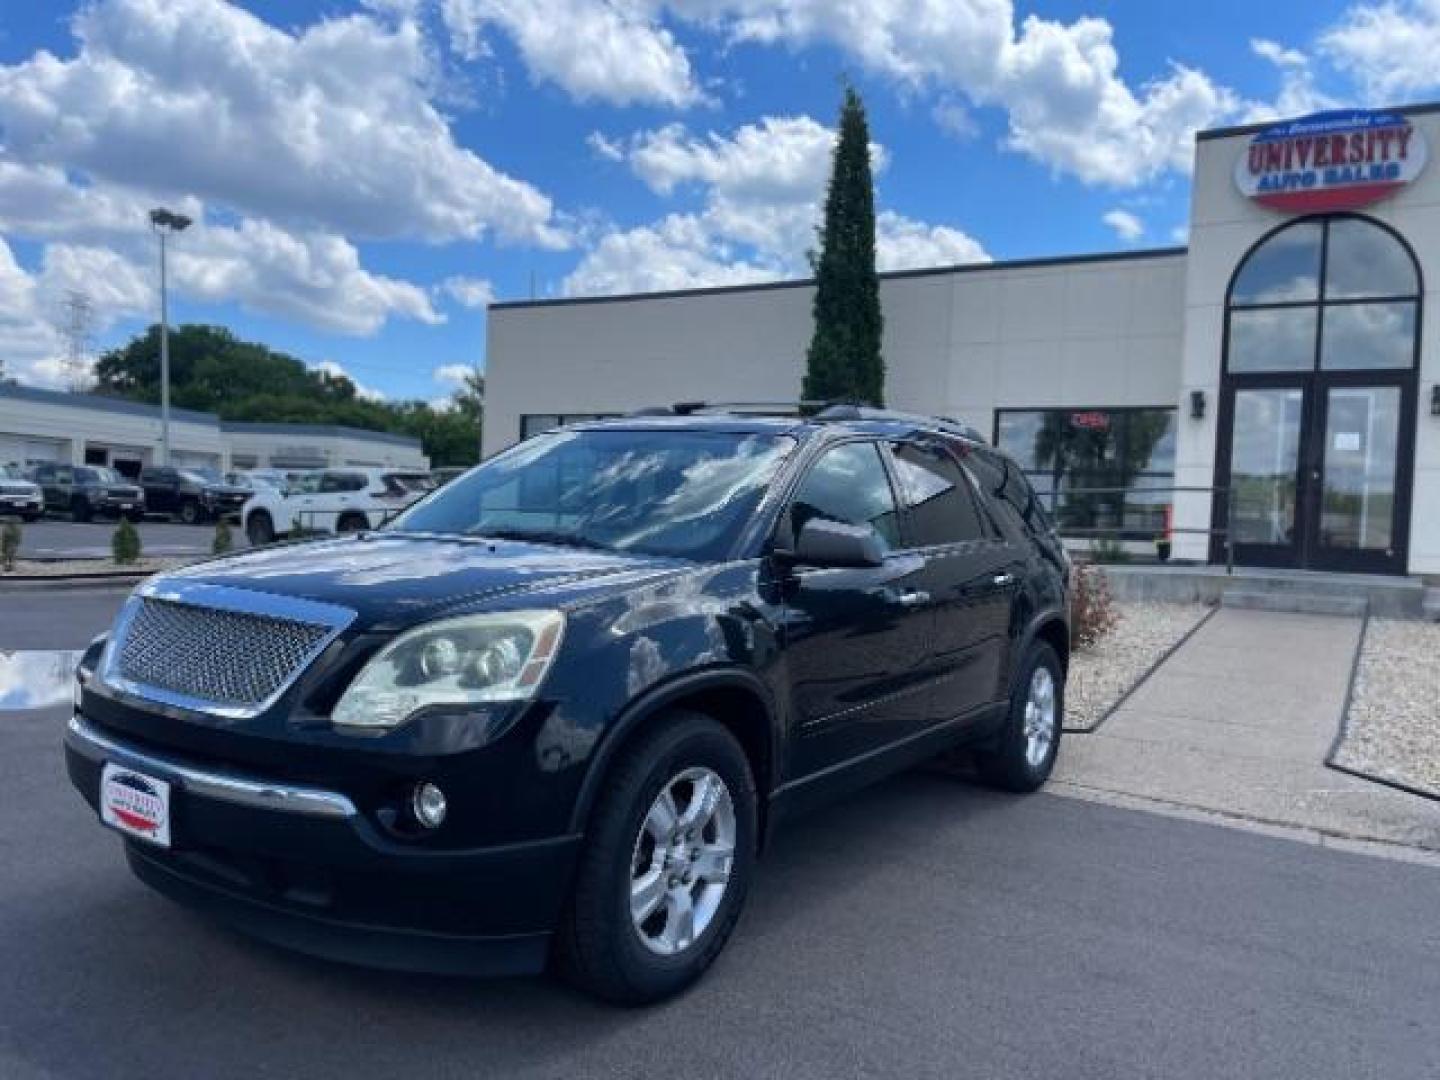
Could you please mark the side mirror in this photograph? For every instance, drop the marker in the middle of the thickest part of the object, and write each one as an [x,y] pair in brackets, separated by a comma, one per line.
[836,544]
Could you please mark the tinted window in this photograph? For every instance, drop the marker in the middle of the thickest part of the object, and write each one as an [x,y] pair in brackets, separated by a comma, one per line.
[1363,260]
[1284,269]
[941,509]
[848,484]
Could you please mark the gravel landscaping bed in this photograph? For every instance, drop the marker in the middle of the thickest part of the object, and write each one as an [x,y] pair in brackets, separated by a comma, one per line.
[1393,729]
[1105,672]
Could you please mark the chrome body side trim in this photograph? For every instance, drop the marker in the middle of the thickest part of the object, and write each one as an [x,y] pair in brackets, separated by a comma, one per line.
[87,741]
[222,598]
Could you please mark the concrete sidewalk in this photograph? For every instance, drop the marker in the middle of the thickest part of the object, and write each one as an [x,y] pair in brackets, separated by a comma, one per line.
[1238,722]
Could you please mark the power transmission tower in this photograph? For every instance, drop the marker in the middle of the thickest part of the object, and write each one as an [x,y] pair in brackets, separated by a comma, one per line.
[77,323]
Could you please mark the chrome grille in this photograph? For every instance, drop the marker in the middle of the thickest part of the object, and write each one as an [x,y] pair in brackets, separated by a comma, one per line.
[231,658]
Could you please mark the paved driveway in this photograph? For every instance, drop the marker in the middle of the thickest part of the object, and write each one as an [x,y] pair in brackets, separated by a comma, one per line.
[922,928]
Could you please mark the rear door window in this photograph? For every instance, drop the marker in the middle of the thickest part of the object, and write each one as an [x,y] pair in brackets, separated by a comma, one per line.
[940,507]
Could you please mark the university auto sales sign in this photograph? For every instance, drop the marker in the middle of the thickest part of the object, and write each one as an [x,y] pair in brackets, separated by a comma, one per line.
[1331,161]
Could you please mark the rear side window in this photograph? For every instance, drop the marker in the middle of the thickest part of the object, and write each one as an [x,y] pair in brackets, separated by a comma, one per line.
[848,484]
[1011,495]
[940,506]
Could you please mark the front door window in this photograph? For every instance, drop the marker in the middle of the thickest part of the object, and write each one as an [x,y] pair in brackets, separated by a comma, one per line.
[1322,340]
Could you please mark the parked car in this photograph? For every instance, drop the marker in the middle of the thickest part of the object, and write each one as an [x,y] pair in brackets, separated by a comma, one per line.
[554,710]
[18,495]
[190,495]
[331,500]
[89,491]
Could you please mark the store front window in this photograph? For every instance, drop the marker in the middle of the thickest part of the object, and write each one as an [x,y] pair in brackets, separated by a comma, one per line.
[1100,472]
[1317,408]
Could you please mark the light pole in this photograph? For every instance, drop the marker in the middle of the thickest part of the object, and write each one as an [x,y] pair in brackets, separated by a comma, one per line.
[165,222]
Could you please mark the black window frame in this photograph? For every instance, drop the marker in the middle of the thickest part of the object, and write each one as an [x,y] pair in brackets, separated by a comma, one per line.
[985,524]
[879,444]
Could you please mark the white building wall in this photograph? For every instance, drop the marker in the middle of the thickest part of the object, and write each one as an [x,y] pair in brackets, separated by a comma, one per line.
[61,431]
[1081,333]
[1223,227]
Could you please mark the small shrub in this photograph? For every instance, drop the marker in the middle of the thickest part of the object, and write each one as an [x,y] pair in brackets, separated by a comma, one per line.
[224,542]
[1092,610]
[9,545]
[125,544]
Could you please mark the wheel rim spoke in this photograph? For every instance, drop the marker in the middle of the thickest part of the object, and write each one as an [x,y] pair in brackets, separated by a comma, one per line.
[647,893]
[682,861]
[713,864]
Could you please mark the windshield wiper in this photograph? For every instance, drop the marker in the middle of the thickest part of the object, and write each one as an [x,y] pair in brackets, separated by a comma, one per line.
[541,536]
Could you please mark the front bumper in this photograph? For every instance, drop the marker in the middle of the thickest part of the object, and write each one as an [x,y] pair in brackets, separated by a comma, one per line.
[302,867]
[20,504]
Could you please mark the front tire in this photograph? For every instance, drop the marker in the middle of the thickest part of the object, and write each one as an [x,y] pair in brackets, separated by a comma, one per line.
[1023,754]
[190,512]
[663,876]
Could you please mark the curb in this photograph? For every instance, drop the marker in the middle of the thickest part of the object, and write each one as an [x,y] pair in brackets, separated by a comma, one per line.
[18,582]
[1344,731]
[1145,677]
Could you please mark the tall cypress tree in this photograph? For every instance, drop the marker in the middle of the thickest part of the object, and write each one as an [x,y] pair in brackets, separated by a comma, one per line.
[844,361]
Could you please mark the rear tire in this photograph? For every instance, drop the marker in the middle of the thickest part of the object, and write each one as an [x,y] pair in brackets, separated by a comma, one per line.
[259,529]
[607,945]
[352,523]
[1023,753]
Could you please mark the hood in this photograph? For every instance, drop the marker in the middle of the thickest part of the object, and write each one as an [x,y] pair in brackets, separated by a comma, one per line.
[19,487]
[397,580]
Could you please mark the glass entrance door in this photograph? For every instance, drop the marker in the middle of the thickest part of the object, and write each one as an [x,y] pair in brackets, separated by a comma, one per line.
[1356,514]
[1315,470]
[1266,483]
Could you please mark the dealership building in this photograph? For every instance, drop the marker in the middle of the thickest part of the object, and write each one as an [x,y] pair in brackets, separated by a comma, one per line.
[1272,381]
[88,429]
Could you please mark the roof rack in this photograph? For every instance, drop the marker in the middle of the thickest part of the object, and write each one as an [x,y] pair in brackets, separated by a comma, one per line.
[735,408]
[866,412]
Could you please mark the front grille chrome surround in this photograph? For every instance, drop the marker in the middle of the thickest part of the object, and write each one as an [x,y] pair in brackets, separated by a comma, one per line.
[213,649]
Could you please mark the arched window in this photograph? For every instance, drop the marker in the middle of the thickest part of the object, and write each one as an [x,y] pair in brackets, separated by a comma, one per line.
[1330,294]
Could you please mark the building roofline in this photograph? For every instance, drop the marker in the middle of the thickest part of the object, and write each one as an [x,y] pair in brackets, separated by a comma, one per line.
[103,403]
[888,275]
[1419,109]
[261,427]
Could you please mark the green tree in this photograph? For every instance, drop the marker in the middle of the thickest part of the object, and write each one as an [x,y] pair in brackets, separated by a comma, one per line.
[214,371]
[844,361]
[125,544]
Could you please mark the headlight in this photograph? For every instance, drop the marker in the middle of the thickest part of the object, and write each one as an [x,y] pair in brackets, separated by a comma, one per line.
[469,660]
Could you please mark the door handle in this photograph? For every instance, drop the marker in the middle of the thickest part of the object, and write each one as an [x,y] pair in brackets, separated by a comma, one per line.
[1001,581]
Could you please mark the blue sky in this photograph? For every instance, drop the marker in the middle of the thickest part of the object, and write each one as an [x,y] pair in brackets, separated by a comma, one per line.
[365,176]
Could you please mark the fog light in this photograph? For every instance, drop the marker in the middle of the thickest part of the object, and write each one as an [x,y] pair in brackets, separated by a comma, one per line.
[427,803]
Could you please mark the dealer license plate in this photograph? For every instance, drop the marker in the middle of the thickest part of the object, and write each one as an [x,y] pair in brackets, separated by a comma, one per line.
[136,804]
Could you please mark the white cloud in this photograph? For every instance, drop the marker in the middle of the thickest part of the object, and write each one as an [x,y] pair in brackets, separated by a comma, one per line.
[336,370]
[681,251]
[1058,83]
[330,127]
[613,51]
[955,119]
[904,244]
[456,374]
[1298,93]
[1389,48]
[760,189]
[1128,227]
[469,292]
[605,147]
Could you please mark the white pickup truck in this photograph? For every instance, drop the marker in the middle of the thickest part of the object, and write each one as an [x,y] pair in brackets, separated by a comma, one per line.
[332,501]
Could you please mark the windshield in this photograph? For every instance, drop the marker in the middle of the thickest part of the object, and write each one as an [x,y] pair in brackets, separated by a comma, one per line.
[97,476]
[9,472]
[682,493]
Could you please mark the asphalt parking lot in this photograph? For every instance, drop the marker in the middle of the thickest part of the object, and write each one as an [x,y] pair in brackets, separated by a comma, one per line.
[922,928]
[58,538]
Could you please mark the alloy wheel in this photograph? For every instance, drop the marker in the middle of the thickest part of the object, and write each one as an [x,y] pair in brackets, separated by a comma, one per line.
[1040,718]
[680,866]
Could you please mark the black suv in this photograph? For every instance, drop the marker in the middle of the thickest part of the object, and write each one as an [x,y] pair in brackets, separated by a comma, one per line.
[189,495]
[552,711]
[89,491]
